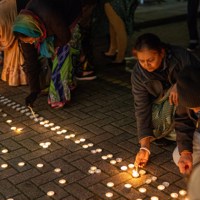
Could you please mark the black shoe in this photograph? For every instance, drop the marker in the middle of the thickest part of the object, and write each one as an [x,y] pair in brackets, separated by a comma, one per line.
[192,46]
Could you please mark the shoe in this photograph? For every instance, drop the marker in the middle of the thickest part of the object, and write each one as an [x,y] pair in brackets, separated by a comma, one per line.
[192,46]
[86,76]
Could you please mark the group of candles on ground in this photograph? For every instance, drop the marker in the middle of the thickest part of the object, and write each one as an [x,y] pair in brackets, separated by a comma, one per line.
[93,169]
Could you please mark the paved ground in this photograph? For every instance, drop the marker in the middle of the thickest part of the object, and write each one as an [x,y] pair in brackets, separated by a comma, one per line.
[102,113]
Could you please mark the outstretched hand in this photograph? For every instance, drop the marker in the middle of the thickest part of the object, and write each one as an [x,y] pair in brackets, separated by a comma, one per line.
[141,159]
[185,163]
[173,96]
[30,99]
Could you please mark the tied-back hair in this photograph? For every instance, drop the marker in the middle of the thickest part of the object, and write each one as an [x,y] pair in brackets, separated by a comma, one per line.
[149,41]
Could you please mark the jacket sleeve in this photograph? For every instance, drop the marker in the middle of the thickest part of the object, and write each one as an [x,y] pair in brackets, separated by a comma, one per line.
[31,66]
[185,128]
[143,107]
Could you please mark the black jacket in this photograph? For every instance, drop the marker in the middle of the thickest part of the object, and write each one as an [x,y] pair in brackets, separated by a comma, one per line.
[146,86]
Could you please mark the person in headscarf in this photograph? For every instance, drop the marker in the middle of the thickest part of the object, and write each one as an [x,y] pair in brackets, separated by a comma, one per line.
[48,26]
[13,60]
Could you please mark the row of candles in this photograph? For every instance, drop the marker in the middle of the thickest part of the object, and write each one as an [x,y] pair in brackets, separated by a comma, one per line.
[93,169]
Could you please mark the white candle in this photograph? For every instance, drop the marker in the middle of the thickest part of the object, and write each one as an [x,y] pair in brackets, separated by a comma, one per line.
[153,178]
[48,143]
[182,192]
[142,190]
[110,184]
[59,132]
[161,187]
[109,194]
[82,140]
[166,184]
[148,181]
[53,128]
[93,168]
[51,124]
[131,166]
[174,195]
[93,151]
[91,171]
[109,155]
[4,166]
[42,123]
[40,165]
[62,181]
[85,146]
[127,185]
[21,164]
[72,135]
[154,198]
[50,193]
[45,146]
[119,160]
[113,162]
[67,137]
[57,127]
[4,151]
[9,121]
[57,170]
[142,172]
[77,141]
[124,168]
[104,157]
[64,131]
[98,171]
[99,150]
[135,174]
[46,125]
[90,144]
[13,128]
[42,144]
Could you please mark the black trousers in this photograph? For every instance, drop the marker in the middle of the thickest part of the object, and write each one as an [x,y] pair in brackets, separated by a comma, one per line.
[192,9]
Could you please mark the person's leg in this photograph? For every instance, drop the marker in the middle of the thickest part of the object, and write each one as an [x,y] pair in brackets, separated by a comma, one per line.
[119,30]
[196,150]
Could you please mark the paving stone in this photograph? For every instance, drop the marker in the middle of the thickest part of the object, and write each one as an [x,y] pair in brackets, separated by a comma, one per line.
[76,176]
[7,173]
[29,144]
[25,135]
[7,189]
[94,129]
[11,144]
[104,121]
[76,155]
[35,154]
[101,138]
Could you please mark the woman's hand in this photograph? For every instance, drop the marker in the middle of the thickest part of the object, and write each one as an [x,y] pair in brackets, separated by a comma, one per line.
[185,163]
[142,158]
[173,96]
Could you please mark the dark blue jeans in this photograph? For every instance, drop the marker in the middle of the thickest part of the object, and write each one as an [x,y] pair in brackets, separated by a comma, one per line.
[192,9]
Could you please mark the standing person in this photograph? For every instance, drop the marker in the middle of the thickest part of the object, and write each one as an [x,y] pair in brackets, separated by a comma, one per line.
[120,15]
[154,89]
[192,18]
[187,120]
[13,60]
[48,26]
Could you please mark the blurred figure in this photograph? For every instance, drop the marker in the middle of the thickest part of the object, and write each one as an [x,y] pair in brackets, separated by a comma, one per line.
[48,26]
[192,17]
[13,61]
[120,15]
[187,120]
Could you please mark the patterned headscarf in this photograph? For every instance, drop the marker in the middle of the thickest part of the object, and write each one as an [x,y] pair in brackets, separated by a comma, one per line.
[30,25]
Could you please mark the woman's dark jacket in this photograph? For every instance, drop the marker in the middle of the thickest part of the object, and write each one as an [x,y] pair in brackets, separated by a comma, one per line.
[147,86]
[57,16]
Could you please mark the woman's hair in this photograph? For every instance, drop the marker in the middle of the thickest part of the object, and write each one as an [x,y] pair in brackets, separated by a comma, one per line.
[148,41]
[19,35]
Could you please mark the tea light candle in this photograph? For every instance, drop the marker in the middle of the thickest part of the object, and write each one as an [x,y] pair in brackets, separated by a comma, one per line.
[62,181]
[113,162]
[19,130]
[131,166]
[64,131]
[36,119]
[46,121]
[41,118]
[40,165]
[110,184]
[93,168]
[4,166]
[93,151]
[142,190]
[51,124]
[154,198]
[161,187]
[82,140]
[148,181]
[182,192]
[48,143]
[98,171]
[77,141]
[174,195]
[50,193]
[42,123]
[99,150]
[57,127]
[142,172]
[124,168]
[91,171]
[9,121]
[119,160]
[135,174]
[46,125]
[109,194]
[57,170]
[72,135]
[59,132]
[127,185]
[104,157]
[90,144]
[4,151]
[166,184]
[45,146]
[13,128]
[42,144]
[85,146]
[53,128]
[109,155]
[153,178]
[21,164]
[67,137]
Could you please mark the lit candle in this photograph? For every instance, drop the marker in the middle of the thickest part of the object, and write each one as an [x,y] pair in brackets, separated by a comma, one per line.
[19,130]
[4,166]
[166,184]
[85,146]
[13,128]
[154,198]
[46,121]
[109,155]
[67,137]
[72,135]
[161,187]
[62,181]
[99,150]
[135,174]
[82,140]
[113,162]
[142,172]
[110,184]
[64,131]
[4,151]
[131,166]
[50,193]
[124,168]
[98,171]
[90,144]
[57,127]
[119,160]
[109,194]
[46,125]
[53,128]
[48,143]
[127,185]
[59,132]
[51,124]
[142,190]
[174,195]
[93,151]
[45,146]
[182,192]
[153,178]
[21,164]
[91,171]
[42,123]
[42,144]
[93,168]
[148,181]
[57,170]
[77,141]
[4,115]
[40,165]
[9,121]
[104,157]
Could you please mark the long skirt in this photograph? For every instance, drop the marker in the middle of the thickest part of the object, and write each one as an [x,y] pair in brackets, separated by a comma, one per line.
[12,71]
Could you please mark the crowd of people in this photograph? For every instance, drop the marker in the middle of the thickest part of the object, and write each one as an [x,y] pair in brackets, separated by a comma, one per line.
[46,36]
